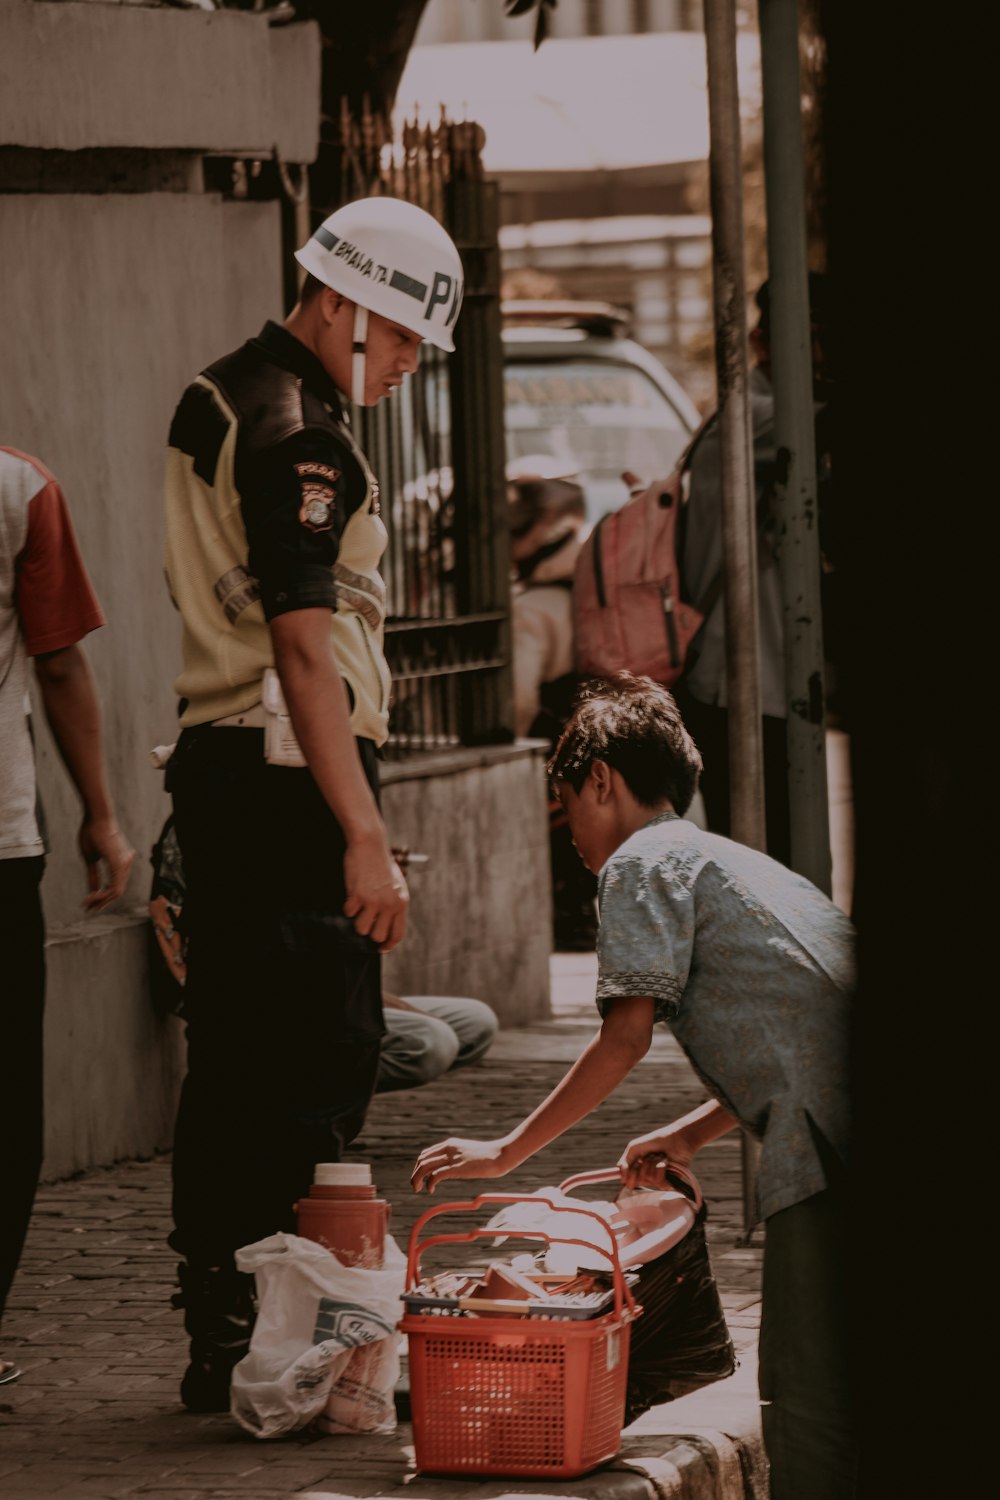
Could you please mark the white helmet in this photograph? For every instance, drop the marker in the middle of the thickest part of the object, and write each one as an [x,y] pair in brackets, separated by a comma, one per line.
[392,258]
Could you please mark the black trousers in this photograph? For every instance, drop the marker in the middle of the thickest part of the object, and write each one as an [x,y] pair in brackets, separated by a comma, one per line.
[806,1382]
[22,945]
[283,998]
[708,725]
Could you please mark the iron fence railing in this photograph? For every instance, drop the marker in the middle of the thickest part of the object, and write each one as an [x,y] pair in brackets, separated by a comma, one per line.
[437,447]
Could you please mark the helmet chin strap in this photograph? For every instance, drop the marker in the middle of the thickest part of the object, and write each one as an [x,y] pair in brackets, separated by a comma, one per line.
[358,347]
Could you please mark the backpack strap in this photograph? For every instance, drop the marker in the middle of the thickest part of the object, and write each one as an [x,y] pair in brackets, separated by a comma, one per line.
[597,556]
[684,462]
[527,565]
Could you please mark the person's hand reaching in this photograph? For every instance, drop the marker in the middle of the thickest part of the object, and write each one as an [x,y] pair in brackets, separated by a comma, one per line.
[460,1158]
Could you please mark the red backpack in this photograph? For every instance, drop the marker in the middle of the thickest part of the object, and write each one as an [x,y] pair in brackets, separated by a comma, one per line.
[628,612]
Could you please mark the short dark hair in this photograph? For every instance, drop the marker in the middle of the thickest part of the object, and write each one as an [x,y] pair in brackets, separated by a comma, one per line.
[634,726]
[311,288]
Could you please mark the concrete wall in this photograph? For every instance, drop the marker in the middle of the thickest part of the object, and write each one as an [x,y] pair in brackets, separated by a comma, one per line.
[480,918]
[79,75]
[112,1066]
[111,305]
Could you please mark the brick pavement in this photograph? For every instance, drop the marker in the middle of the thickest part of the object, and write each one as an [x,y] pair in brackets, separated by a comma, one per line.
[97,1416]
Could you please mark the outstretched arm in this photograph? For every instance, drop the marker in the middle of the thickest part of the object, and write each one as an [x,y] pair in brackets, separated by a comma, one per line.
[621,1042]
[74,716]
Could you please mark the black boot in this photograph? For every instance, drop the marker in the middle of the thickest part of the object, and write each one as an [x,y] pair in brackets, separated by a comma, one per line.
[219,1314]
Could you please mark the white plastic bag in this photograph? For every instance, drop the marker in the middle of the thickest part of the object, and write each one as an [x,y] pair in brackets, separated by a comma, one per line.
[325,1348]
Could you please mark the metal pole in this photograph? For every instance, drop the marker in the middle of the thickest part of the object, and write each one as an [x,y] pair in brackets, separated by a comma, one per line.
[739,529]
[796,511]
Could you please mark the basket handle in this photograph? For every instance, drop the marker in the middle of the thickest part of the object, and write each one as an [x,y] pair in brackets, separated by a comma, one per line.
[417,1247]
[611,1174]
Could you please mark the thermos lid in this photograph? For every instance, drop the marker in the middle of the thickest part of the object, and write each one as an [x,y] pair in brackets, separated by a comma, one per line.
[342,1174]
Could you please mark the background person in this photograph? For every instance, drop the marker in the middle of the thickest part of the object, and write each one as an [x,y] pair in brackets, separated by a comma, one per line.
[47,606]
[274,540]
[702,691]
[547,516]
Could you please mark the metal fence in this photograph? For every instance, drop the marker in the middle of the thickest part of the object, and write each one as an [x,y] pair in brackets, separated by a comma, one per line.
[437,447]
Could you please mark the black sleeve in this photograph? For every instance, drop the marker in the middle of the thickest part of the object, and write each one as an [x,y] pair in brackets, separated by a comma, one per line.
[296,501]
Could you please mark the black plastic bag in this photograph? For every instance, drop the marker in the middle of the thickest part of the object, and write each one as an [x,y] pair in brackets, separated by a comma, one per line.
[681,1341]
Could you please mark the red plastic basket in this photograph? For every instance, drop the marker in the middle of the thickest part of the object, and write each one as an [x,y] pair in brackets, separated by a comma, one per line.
[516,1398]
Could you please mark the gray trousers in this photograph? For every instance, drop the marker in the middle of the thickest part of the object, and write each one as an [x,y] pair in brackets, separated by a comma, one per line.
[447,1032]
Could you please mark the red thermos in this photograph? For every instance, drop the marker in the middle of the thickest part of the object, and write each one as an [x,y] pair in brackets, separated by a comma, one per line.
[343,1214]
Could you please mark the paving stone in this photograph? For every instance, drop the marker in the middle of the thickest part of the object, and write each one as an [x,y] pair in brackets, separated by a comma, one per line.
[169,1492]
[54,1477]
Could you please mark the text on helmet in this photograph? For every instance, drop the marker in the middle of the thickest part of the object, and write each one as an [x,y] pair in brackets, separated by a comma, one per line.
[445,291]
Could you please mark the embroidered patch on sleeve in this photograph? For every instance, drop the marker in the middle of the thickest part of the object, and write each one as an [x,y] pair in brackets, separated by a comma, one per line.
[318,494]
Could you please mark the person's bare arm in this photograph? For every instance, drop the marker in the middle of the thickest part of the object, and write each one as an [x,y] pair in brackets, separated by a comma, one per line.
[69,698]
[377,898]
[621,1042]
[645,1159]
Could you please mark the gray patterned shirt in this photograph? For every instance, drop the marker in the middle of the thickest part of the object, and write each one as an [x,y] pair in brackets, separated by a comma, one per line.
[753,969]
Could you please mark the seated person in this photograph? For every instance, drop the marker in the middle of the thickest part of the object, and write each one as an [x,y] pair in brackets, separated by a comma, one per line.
[428,1034]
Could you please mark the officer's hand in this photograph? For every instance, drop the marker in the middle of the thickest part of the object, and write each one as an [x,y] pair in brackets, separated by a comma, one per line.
[377,897]
[108,857]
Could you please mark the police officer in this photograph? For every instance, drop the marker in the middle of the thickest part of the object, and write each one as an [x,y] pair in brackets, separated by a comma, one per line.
[273,542]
